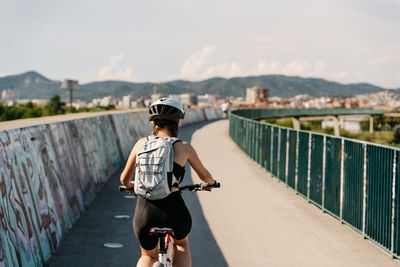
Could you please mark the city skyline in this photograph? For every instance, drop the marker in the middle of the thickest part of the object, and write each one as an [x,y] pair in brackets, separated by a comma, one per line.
[344,41]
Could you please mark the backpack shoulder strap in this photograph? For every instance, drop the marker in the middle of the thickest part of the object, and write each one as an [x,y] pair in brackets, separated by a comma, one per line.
[151,137]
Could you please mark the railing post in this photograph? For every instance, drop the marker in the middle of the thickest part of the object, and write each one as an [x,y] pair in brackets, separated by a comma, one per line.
[393,203]
[272,148]
[251,139]
[243,137]
[341,181]
[260,138]
[278,163]
[255,141]
[264,139]
[247,137]
[364,191]
[323,174]
[296,179]
[287,158]
[254,137]
[309,167]
[258,144]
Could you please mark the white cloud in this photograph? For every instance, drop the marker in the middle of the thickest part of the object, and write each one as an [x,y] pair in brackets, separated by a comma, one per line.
[341,76]
[3,74]
[301,67]
[385,60]
[298,67]
[202,65]
[231,69]
[196,62]
[114,70]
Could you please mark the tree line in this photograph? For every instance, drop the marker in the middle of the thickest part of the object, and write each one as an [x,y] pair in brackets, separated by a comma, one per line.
[53,107]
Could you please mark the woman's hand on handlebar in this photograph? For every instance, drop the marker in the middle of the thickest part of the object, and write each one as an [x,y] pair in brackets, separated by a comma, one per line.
[130,189]
[207,187]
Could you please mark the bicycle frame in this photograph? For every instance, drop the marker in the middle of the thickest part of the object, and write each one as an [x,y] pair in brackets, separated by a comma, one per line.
[165,256]
[166,248]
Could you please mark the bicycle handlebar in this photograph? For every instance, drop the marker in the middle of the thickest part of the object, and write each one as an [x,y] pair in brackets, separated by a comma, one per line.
[190,187]
[123,188]
[197,187]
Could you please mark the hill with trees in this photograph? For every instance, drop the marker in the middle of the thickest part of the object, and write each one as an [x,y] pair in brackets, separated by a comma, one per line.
[32,85]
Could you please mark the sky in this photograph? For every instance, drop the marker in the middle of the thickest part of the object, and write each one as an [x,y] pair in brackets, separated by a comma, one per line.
[347,41]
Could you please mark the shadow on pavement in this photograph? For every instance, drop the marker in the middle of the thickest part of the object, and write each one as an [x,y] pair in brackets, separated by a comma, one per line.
[83,244]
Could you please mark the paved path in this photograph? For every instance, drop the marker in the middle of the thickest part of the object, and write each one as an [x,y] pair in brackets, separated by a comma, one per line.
[253,220]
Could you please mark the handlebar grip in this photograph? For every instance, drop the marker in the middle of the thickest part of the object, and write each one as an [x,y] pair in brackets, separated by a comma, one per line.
[123,188]
[217,185]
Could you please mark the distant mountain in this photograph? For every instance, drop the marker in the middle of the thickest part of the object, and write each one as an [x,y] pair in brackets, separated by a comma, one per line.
[34,85]
[30,85]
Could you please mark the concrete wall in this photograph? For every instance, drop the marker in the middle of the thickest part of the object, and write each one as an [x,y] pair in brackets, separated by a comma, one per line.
[51,173]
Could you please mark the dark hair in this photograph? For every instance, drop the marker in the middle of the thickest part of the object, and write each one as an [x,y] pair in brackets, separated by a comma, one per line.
[170,126]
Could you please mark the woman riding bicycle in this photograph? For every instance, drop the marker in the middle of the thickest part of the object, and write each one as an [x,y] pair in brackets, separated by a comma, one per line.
[166,114]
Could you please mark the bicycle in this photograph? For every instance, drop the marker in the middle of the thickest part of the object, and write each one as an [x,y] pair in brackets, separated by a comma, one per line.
[164,234]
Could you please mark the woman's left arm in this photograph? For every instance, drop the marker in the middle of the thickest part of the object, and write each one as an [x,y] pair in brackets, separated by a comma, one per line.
[130,166]
[129,169]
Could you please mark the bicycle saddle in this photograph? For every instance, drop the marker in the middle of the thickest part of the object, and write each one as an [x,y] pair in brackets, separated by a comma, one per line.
[157,231]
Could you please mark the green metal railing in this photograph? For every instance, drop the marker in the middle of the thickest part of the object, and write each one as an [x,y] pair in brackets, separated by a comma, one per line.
[279,113]
[356,182]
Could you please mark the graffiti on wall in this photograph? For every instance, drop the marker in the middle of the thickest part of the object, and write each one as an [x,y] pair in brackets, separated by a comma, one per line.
[49,174]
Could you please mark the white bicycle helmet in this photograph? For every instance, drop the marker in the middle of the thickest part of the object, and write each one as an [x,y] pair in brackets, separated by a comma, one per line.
[166,108]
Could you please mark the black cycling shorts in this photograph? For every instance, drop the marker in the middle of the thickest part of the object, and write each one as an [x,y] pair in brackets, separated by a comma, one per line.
[169,212]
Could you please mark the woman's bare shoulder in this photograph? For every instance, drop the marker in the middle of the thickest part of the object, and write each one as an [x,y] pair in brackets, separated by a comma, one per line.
[182,142]
[142,140]
[139,143]
[183,145]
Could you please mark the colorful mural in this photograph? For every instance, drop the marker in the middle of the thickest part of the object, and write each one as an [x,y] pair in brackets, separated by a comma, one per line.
[50,173]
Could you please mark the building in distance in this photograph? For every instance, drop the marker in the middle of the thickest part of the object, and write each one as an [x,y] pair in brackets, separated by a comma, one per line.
[188,99]
[126,101]
[206,100]
[257,96]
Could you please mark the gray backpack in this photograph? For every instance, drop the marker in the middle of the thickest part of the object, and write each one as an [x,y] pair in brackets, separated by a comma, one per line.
[154,164]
